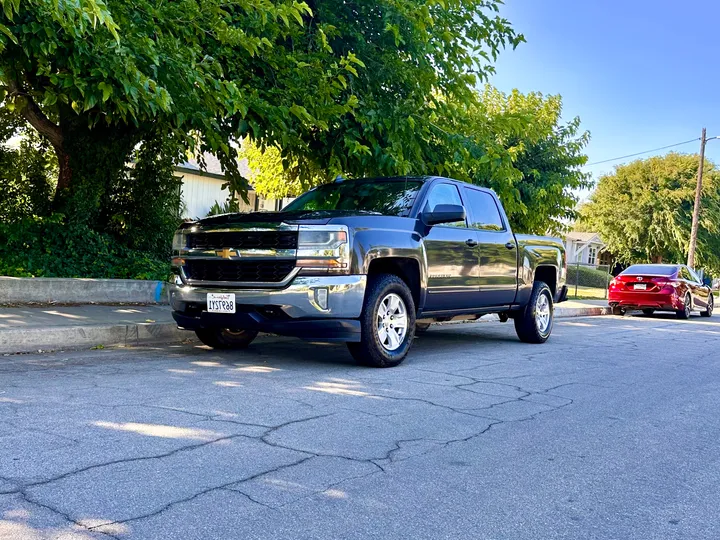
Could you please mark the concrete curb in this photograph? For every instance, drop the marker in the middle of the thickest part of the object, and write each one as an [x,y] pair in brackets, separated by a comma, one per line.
[55,338]
[80,291]
[566,313]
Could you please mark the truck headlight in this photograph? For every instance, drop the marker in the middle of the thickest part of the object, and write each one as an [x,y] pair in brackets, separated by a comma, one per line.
[323,249]
[179,241]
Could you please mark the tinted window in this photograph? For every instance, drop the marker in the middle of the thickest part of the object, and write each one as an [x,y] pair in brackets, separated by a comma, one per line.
[694,276]
[685,274]
[444,194]
[651,269]
[485,213]
[390,198]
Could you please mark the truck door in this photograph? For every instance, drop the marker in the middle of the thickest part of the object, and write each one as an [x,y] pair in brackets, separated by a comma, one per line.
[497,249]
[452,257]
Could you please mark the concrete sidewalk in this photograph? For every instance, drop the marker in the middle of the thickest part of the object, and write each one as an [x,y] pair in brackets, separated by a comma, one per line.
[52,328]
[30,329]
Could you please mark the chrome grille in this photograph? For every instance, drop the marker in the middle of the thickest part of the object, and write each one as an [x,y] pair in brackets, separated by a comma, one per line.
[243,240]
[260,271]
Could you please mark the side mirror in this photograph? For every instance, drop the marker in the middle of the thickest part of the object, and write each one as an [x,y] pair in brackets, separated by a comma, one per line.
[444,213]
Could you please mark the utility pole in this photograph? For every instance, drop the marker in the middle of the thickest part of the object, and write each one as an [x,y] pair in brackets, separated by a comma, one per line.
[696,208]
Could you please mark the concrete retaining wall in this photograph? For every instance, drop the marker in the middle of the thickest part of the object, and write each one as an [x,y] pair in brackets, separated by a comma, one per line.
[80,291]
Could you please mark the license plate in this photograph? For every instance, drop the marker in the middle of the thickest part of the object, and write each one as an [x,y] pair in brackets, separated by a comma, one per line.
[641,286]
[221,303]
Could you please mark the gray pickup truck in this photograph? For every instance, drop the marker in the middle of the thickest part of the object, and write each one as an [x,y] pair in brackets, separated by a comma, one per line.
[368,262]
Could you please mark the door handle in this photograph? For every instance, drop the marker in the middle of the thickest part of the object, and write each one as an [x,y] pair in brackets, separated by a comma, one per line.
[470,242]
[510,245]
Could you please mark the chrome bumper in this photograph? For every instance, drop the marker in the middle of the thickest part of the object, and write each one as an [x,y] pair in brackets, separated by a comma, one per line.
[300,299]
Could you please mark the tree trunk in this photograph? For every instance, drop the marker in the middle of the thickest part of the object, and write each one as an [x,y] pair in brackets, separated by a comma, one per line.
[64,174]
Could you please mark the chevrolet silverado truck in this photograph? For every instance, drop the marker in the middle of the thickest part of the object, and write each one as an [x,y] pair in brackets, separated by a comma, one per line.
[368,262]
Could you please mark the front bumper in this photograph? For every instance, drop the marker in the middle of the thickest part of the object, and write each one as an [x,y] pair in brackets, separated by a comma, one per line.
[296,310]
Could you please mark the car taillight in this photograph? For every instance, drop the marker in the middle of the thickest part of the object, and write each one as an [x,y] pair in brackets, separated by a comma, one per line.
[614,283]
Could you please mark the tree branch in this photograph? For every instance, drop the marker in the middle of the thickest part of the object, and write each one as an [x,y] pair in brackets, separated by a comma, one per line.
[35,117]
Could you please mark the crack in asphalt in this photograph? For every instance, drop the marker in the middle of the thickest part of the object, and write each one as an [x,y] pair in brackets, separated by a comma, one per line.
[381,464]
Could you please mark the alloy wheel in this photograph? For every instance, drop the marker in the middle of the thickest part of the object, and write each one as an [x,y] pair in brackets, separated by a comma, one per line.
[543,313]
[392,322]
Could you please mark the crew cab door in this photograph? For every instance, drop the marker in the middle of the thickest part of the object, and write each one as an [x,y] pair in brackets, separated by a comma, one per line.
[452,257]
[497,249]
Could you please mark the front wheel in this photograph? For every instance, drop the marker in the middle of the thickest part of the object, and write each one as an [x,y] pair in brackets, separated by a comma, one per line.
[387,323]
[684,313]
[225,338]
[710,306]
[535,323]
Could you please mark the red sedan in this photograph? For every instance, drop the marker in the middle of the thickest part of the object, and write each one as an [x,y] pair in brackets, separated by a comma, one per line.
[661,287]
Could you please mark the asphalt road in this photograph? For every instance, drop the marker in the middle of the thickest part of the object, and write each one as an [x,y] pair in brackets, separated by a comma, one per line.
[609,431]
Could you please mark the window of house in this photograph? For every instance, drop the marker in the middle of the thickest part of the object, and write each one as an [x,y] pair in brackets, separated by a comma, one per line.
[592,255]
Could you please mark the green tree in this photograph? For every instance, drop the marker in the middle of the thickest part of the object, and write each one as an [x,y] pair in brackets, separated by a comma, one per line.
[541,194]
[338,85]
[516,144]
[643,211]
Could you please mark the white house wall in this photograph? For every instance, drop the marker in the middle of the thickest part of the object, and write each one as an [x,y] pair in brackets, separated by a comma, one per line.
[200,193]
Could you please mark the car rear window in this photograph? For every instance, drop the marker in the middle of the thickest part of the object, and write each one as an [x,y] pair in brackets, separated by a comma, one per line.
[651,269]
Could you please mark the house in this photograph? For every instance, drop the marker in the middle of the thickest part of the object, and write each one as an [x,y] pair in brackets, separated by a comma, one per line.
[202,188]
[586,248]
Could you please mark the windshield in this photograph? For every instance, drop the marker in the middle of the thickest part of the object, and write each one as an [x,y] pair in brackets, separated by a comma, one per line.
[390,198]
[652,269]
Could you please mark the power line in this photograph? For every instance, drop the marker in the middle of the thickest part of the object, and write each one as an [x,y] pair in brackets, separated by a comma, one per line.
[641,153]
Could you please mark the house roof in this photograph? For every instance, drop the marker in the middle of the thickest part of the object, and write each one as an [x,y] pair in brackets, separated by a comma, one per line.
[212,165]
[583,236]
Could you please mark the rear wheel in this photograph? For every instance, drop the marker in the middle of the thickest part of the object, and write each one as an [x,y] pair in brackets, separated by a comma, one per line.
[387,323]
[648,311]
[535,323]
[711,305]
[684,313]
[225,338]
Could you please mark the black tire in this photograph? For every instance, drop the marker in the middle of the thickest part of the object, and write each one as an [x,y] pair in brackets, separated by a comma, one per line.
[711,305]
[371,351]
[648,311]
[684,313]
[225,338]
[421,328]
[527,326]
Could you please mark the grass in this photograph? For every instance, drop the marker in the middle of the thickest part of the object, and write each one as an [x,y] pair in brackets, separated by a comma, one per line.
[586,293]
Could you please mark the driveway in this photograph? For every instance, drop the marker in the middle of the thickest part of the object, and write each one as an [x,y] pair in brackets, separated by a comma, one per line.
[610,430]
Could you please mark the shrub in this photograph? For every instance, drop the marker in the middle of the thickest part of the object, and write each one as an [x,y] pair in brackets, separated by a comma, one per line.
[586,276]
[48,247]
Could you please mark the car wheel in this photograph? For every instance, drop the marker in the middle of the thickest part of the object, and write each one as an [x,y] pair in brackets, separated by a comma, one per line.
[648,311]
[684,313]
[535,323]
[711,305]
[421,328]
[387,323]
[225,338]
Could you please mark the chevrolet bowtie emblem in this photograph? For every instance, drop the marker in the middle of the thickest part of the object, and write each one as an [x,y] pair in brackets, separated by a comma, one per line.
[227,253]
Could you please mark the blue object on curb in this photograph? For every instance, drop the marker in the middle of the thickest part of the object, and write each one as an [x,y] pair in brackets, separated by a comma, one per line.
[158,292]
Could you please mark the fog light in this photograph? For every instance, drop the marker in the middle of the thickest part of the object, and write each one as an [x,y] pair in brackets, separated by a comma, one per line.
[321,298]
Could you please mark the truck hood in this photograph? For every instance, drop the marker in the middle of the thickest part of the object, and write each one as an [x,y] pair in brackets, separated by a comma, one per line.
[305,217]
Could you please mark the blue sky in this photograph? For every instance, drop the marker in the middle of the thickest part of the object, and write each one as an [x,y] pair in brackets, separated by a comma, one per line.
[641,74]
